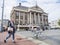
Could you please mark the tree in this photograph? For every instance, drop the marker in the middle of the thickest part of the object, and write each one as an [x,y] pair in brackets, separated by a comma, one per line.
[59,22]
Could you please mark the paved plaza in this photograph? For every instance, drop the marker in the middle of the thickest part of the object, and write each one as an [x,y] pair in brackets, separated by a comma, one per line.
[51,37]
[19,40]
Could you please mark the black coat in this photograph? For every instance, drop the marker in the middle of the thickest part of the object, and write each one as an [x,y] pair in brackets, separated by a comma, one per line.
[10,25]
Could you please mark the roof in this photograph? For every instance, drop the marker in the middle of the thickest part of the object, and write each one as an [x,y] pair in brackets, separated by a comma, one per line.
[21,7]
[24,8]
[36,7]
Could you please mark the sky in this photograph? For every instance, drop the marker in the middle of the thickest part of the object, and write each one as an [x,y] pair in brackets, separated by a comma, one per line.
[52,7]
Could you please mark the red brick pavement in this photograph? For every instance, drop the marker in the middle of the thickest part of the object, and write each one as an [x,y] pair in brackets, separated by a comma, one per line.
[18,39]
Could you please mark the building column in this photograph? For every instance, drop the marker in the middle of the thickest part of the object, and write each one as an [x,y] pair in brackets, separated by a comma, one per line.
[19,18]
[42,20]
[35,17]
[24,19]
[30,21]
[19,23]
[33,20]
[38,19]
[14,16]
[30,18]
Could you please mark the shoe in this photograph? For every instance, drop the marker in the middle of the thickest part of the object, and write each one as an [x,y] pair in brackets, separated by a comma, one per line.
[14,42]
[4,41]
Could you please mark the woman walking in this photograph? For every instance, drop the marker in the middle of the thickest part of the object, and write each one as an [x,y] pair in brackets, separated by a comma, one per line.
[11,31]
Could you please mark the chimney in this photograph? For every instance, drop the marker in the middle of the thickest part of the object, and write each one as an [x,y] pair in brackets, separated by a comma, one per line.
[19,4]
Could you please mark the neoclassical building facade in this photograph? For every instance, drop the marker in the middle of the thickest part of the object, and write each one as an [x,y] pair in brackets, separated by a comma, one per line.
[29,17]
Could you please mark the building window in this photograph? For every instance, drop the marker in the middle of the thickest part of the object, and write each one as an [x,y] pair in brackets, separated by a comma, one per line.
[44,19]
[21,22]
[37,17]
[40,19]
[25,18]
[17,15]
[33,20]
[21,17]
[16,22]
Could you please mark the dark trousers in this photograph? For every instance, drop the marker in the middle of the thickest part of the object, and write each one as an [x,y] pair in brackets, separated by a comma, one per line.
[9,35]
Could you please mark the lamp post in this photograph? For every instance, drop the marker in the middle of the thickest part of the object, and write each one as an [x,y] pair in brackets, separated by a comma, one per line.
[2,16]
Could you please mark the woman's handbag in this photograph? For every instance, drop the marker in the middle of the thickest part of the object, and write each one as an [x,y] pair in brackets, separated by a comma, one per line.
[10,29]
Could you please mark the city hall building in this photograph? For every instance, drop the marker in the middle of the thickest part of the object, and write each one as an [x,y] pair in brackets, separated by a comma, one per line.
[28,18]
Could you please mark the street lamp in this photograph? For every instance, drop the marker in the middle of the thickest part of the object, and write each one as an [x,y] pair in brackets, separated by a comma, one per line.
[2,16]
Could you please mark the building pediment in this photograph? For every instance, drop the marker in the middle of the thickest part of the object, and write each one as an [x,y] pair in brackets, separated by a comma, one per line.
[36,8]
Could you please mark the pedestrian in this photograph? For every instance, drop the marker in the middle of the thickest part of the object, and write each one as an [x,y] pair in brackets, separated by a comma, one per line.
[10,33]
